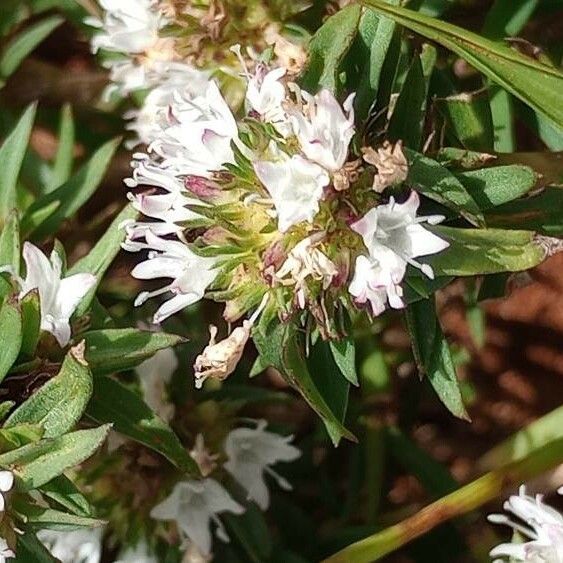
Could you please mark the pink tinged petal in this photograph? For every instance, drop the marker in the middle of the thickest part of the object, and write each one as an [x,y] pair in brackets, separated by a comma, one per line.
[366,226]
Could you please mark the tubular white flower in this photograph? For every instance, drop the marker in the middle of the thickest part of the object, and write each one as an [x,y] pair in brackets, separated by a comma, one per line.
[394,237]
[296,186]
[59,297]
[5,551]
[324,130]
[537,521]
[251,452]
[193,505]
[154,375]
[84,546]
[191,274]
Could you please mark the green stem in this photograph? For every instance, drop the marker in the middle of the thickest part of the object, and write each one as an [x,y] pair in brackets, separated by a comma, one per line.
[468,498]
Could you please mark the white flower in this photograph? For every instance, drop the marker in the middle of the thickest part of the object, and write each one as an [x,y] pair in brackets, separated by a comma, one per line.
[5,551]
[251,452]
[79,546]
[303,261]
[154,375]
[193,505]
[394,237]
[138,554]
[296,186]
[324,130]
[58,297]
[199,134]
[372,283]
[6,484]
[191,274]
[537,521]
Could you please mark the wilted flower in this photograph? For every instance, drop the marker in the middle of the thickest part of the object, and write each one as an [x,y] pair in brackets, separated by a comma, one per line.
[251,452]
[154,374]
[59,297]
[78,546]
[390,162]
[193,505]
[6,484]
[537,521]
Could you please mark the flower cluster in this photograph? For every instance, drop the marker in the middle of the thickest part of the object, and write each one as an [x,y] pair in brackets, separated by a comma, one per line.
[272,209]
[536,522]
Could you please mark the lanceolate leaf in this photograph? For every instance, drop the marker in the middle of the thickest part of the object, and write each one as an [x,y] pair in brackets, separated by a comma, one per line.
[62,165]
[132,417]
[344,354]
[31,550]
[486,251]
[10,249]
[36,464]
[118,349]
[11,325]
[40,518]
[31,323]
[59,404]
[536,84]
[327,49]
[11,157]
[65,493]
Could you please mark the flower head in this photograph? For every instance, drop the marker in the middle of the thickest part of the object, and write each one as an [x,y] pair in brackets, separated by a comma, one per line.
[193,505]
[540,523]
[251,453]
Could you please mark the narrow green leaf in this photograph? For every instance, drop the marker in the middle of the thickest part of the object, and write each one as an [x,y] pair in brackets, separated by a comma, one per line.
[5,408]
[117,349]
[327,49]
[486,251]
[31,323]
[11,157]
[502,115]
[62,166]
[18,436]
[65,493]
[344,354]
[132,417]
[506,18]
[10,251]
[536,84]
[11,323]
[31,550]
[59,404]
[40,518]
[25,42]
[36,464]
[98,260]
[491,187]
[70,196]
[436,182]
[432,355]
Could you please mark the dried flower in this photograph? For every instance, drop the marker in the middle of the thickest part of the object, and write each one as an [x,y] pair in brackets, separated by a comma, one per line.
[391,163]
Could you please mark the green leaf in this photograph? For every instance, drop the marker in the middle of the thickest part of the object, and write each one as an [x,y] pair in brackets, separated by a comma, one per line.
[40,518]
[251,531]
[437,183]
[281,347]
[408,115]
[469,118]
[10,251]
[327,49]
[31,322]
[11,323]
[18,436]
[11,157]
[60,403]
[486,251]
[62,166]
[491,187]
[132,417]
[432,355]
[36,464]
[344,354]
[69,198]
[117,349]
[22,45]
[98,260]
[65,493]
[31,550]
[536,84]
[502,114]
[506,18]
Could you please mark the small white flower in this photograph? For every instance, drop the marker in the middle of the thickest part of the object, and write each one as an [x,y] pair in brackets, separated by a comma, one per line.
[374,285]
[251,452]
[324,130]
[138,554]
[193,505]
[58,297]
[394,237]
[5,551]
[79,546]
[191,274]
[6,484]
[154,375]
[537,521]
[296,187]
